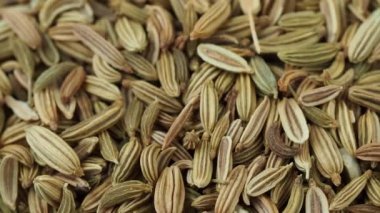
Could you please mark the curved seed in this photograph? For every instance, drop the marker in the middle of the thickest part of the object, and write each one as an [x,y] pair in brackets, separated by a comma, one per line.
[18,152]
[276,142]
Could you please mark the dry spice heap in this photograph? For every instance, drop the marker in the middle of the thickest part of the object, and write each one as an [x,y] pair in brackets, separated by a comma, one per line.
[174,106]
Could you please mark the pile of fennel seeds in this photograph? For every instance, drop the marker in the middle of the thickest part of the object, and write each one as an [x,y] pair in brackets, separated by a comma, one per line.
[189,106]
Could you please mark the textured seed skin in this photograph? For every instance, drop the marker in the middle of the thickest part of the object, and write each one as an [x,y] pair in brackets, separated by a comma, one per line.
[189,106]
[53,150]
[170,191]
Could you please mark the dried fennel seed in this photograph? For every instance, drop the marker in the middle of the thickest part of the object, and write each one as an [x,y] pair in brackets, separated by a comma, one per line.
[189,105]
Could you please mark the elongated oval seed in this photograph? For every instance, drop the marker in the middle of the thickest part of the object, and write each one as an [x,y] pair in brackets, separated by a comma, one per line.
[293,120]
[321,95]
[205,202]
[49,188]
[128,159]
[264,77]
[67,202]
[246,97]
[365,38]
[224,161]
[107,147]
[223,58]
[349,192]
[148,162]
[169,195]
[118,193]
[229,194]
[365,95]
[147,93]
[148,119]
[131,34]
[202,165]
[21,109]
[369,152]
[213,18]
[167,74]
[96,123]
[209,106]
[9,181]
[50,75]
[363,208]
[303,159]
[372,190]
[314,55]
[266,180]
[179,122]
[255,125]
[100,46]
[220,130]
[296,199]
[327,153]
[346,130]
[72,83]
[101,88]
[53,151]
[316,200]
[23,26]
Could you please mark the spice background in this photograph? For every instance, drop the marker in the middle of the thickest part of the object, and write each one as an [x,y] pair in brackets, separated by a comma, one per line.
[171,106]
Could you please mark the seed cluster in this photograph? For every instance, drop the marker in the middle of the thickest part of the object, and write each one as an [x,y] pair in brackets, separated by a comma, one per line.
[175,106]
